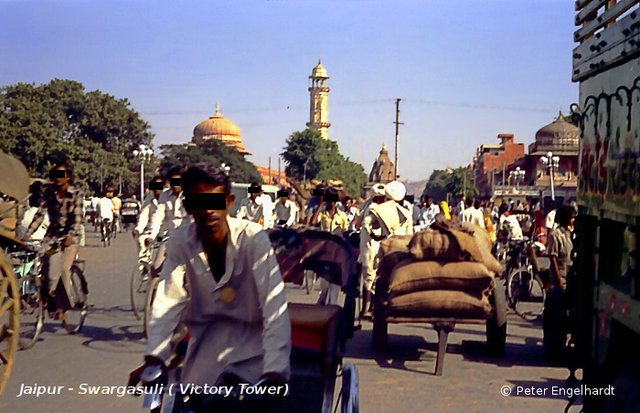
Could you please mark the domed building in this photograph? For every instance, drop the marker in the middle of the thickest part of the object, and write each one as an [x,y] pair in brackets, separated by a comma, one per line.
[220,128]
[560,139]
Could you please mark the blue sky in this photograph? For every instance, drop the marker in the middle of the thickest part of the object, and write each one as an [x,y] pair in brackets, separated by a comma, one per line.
[467,70]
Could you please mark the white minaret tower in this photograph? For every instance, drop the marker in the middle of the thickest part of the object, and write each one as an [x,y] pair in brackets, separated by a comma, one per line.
[319,105]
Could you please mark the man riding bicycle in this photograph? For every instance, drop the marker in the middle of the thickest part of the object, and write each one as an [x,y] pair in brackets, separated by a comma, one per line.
[63,204]
[169,215]
[143,228]
[105,213]
[221,279]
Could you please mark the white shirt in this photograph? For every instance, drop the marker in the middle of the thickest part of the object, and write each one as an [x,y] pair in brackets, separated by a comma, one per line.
[240,323]
[105,208]
[94,202]
[267,210]
[473,215]
[511,225]
[169,214]
[428,215]
[550,221]
[250,210]
[286,211]
[149,207]
[26,220]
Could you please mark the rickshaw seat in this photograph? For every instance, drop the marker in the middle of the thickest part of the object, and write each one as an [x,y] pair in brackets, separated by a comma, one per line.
[314,327]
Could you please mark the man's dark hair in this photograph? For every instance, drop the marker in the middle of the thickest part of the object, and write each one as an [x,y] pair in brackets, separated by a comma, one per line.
[64,164]
[157,178]
[503,208]
[36,191]
[205,174]
[476,204]
[564,215]
[176,170]
[255,184]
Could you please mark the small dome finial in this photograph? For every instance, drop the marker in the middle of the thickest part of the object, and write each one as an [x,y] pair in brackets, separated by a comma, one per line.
[318,60]
[217,109]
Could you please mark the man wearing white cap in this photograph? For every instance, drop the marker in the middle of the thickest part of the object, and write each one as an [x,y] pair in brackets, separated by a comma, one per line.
[383,220]
[368,246]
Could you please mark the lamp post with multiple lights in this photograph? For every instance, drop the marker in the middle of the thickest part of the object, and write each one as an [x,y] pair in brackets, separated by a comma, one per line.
[143,153]
[551,162]
[517,175]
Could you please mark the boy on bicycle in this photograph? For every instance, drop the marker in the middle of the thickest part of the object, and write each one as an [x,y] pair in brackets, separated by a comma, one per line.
[105,213]
[149,207]
[168,216]
[221,279]
[63,204]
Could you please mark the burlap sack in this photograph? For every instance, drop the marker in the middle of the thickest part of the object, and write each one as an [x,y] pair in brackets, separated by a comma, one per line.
[392,260]
[484,245]
[440,303]
[432,275]
[394,243]
[431,245]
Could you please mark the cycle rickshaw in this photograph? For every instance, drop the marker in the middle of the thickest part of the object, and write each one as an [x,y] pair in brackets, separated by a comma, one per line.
[14,189]
[319,332]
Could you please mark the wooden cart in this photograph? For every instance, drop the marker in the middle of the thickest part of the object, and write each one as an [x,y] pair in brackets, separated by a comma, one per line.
[14,189]
[496,323]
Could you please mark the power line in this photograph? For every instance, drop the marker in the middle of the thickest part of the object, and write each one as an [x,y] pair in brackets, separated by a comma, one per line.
[283,108]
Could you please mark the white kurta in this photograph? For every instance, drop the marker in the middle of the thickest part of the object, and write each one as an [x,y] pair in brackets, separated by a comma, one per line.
[169,214]
[240,324]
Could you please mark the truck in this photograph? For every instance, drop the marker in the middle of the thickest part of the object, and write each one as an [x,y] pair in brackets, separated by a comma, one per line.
[603,288]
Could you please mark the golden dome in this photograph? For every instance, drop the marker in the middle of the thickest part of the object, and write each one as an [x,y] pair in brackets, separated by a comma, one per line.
[221,128]
[319,71]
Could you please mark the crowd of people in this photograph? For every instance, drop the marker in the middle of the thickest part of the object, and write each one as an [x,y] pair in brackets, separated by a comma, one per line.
[218,273]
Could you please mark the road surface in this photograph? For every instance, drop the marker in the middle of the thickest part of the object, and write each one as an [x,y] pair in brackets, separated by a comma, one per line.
[111,344]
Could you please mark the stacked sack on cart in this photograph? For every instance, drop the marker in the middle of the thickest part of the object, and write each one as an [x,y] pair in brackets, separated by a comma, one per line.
[445,271]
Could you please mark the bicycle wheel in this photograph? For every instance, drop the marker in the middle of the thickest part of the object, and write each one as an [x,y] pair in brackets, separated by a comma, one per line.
[527,294]
[349,392]
[140,281]
[151,295]
[75,316]
[31,311]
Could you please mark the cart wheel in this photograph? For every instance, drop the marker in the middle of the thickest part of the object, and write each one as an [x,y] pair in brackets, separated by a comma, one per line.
[497,324]
[9,320]
[350,392]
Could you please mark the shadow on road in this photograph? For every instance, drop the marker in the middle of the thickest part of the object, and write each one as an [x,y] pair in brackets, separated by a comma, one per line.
[405,348]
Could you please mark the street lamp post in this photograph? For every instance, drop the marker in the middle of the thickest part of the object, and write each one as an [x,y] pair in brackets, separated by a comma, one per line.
[552,163]
[144,154]
[517,175]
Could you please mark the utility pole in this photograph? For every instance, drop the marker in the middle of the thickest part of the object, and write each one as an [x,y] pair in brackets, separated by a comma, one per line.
[270,180]
[397,123]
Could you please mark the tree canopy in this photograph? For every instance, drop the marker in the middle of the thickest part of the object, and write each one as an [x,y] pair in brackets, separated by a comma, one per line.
[323,161]
[93,131]
[210,152]
[456,182]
